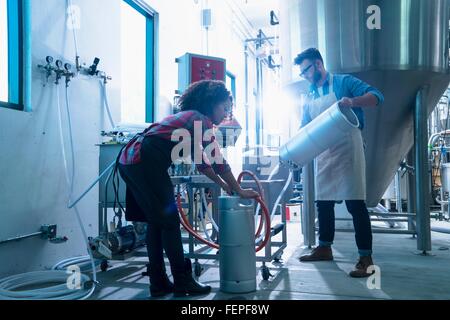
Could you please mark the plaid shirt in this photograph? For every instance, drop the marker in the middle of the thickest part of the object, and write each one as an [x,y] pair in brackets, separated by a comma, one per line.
[166,129]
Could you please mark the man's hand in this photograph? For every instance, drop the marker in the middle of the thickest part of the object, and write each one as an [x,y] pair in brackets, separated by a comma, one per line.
[346,102]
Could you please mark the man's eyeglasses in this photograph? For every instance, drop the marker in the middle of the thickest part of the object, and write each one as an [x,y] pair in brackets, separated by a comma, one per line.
[302,74]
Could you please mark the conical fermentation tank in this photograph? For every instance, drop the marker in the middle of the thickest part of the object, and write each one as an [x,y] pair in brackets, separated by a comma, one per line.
[409,50]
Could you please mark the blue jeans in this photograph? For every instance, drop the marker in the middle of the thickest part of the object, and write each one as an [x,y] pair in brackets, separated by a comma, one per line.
[361,222]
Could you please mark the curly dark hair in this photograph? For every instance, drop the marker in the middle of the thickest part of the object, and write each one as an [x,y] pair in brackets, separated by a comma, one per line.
[203,96]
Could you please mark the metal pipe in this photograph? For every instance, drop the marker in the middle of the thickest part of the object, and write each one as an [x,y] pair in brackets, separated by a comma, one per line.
[398,191]
[393,214]
[384,231]
[18,238]
[440,230]
[308,212]
[247,139]
[411,190]
[387,203]
[377,220]
[258,102]
[448,210]
[262,38]
[422,192]
[261,101]
[103,222]
[433,138]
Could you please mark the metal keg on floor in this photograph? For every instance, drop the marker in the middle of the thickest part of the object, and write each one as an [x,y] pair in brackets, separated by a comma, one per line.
[237,246]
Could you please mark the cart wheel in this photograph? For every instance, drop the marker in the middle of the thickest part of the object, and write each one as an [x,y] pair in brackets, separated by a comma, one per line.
[265,273]
[198,269]
[104,265]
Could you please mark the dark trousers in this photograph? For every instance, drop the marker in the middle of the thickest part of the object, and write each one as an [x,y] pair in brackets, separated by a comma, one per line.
[361,223]
[150,184]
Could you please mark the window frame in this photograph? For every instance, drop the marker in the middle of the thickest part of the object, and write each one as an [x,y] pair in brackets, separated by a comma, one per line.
[19,56]
[151,78]
[232,78]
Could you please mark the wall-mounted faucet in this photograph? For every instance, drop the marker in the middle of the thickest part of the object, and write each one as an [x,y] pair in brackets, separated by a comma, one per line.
[48,67]
[67,73]
[62,69]
[59,71]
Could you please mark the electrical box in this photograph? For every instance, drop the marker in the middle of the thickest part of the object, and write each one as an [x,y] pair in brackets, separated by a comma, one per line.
[193,68]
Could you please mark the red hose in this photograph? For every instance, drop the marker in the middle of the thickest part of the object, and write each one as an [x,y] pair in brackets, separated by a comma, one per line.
[189,228]
[268,227]
[254,177]
[262,203]
[186,224]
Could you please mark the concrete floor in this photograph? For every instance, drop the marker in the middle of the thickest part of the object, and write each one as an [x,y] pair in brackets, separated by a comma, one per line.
[404,273]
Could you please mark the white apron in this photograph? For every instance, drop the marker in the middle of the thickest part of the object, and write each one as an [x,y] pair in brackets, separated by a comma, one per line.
[340,171]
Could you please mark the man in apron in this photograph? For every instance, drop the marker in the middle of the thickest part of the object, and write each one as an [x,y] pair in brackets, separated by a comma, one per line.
[339,171]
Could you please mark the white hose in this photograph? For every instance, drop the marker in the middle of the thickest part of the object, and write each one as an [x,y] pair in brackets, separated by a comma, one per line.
[258,207]
[202,216]
[277,202]
[72,151]
[274,172]
[274,210]
[208,212]
[110,167]
[69,3]
[80,222]
[9,286]
[61,133]
[83,262]
[63,264]
[202,220]
[105,99]
[380,209]
[383,210]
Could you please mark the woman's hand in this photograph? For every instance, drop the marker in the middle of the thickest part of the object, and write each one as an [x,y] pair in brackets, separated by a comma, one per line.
[227,188]
[248,194]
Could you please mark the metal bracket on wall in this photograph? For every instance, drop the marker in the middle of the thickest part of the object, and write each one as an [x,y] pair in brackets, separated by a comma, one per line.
[47,232]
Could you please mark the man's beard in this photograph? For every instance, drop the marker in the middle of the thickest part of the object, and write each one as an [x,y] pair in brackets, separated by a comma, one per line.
[317,76]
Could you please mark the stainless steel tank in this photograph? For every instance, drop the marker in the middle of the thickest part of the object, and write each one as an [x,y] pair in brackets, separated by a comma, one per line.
[237,256]
[409,51]
[321,134]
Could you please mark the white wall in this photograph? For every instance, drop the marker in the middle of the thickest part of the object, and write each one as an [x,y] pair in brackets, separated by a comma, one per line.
[32,184]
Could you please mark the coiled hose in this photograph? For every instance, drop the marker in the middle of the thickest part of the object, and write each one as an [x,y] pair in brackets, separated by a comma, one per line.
[186,224]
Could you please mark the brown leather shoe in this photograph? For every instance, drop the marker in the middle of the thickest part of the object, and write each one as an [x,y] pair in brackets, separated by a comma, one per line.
[318,254]
[360,270]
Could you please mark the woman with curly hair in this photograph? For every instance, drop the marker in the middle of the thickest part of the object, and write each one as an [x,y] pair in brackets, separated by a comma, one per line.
[143,165]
